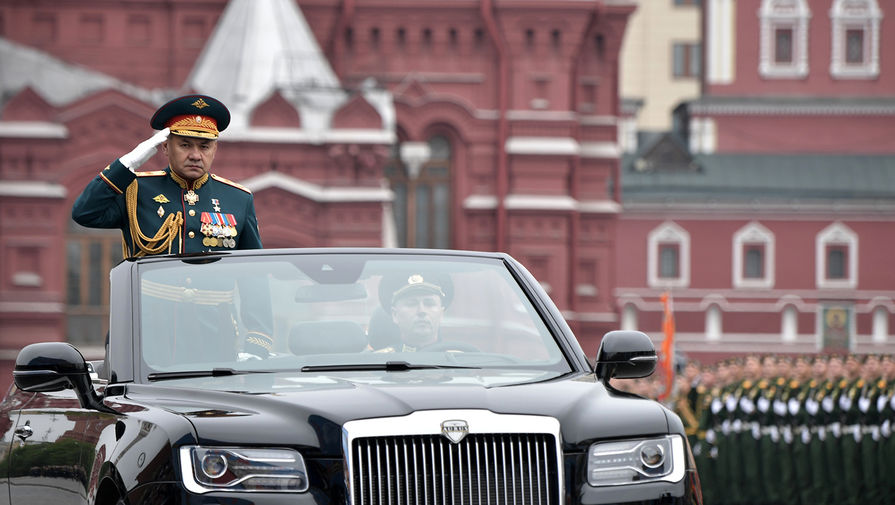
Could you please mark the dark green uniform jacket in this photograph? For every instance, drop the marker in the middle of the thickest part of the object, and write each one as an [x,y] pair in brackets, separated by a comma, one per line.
[161,213]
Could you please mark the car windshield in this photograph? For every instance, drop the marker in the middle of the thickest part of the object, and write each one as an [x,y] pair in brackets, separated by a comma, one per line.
[337,312]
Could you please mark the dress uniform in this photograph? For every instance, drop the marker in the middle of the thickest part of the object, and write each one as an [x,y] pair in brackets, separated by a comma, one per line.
[162,212]
[184,209]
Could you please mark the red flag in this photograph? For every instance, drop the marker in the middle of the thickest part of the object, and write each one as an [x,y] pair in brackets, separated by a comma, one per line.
[667,353]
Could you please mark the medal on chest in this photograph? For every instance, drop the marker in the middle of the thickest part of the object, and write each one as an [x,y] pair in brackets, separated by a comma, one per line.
[191,197]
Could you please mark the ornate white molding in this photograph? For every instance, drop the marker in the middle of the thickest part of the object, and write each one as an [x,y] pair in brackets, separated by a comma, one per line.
[864,15]
[783,14]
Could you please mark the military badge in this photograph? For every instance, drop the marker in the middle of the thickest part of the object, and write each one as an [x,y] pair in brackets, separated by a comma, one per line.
[160,199]
[191,197]
[200,104]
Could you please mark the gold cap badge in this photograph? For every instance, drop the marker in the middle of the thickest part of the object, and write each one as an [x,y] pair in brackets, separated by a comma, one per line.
[200,104]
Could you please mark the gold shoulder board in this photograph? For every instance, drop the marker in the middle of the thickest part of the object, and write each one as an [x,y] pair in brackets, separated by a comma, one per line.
[230,183]
[151,173]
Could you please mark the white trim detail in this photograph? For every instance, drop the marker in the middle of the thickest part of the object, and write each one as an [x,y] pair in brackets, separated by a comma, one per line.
[703,135]
[666,233]
[316,192]
[713,325]
[282,135]
[753,233]
[880,325]
[629,317]
[608,150]
[721,44]
[849,15]
[32,189]
[33,130]
[836,234]
[539,202]
[542,202]
[789,324]
[776,14]
[561,146]
[480,202]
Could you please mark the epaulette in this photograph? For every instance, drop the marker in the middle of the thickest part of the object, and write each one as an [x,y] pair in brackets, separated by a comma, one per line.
[231,183]
[860,383]
[881,384]
[813,383]
[843,384]
[747,384]
[152,173]
[793,384]
[762,384]
[781,381]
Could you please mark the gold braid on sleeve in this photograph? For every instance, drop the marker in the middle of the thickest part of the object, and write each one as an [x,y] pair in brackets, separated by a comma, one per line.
[163,239]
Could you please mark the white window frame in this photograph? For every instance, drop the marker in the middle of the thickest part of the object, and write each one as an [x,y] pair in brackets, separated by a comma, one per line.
[753,233]
[833,235]
[776,14]
[855,15]
[668,233]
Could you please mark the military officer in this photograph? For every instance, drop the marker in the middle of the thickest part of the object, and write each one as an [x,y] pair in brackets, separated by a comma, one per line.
[183,208]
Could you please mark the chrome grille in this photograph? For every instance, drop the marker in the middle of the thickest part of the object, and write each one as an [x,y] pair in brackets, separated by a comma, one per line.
[483,469]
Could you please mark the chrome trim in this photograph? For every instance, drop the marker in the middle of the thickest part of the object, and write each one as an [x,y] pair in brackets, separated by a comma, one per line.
[193,486]
[480,422]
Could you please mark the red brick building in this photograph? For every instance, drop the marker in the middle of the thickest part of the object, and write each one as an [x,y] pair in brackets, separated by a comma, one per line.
[474,124]
[769,213]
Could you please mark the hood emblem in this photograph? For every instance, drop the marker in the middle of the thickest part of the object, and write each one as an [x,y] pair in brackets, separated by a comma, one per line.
[455,430]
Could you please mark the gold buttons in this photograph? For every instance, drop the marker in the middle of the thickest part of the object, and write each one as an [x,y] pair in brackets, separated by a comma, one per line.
[191,234]
[192,212]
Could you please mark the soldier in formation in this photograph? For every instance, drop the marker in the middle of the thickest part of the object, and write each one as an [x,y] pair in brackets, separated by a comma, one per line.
[802,430]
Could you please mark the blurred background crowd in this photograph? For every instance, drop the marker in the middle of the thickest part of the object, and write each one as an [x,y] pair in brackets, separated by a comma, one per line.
[773,430]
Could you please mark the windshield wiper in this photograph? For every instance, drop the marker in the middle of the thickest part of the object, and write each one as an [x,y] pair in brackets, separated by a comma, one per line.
[388,366]
[214,372]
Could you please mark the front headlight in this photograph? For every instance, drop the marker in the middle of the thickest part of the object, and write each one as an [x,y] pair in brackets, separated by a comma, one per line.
[205,469]
[636,461]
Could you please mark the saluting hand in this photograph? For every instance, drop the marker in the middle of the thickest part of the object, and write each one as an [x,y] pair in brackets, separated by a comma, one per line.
[144,150]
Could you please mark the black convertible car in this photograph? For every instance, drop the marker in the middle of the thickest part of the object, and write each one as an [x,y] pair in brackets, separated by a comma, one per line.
[338,376]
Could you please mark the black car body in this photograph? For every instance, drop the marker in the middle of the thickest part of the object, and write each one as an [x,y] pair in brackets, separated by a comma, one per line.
[505,407]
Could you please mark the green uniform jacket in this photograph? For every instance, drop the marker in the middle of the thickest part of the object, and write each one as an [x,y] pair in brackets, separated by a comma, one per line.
[172,215]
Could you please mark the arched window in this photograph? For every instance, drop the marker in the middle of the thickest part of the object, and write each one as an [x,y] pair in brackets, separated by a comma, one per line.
[668,255]
[789,325]
[420,176]
[855,38]
[836,257]
[880,325]
[753,257]
[713,323]
[784,38]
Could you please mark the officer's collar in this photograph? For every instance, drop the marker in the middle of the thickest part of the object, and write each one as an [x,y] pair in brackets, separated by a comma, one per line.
[183,183]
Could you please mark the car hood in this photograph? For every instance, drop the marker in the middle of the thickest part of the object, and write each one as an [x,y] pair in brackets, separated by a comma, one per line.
[309,411]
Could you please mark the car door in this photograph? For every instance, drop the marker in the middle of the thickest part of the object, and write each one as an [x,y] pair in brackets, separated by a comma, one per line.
[46,458]
[9,416]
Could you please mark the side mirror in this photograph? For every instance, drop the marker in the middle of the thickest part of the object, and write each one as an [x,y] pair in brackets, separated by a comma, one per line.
[54,366]
[625,355]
